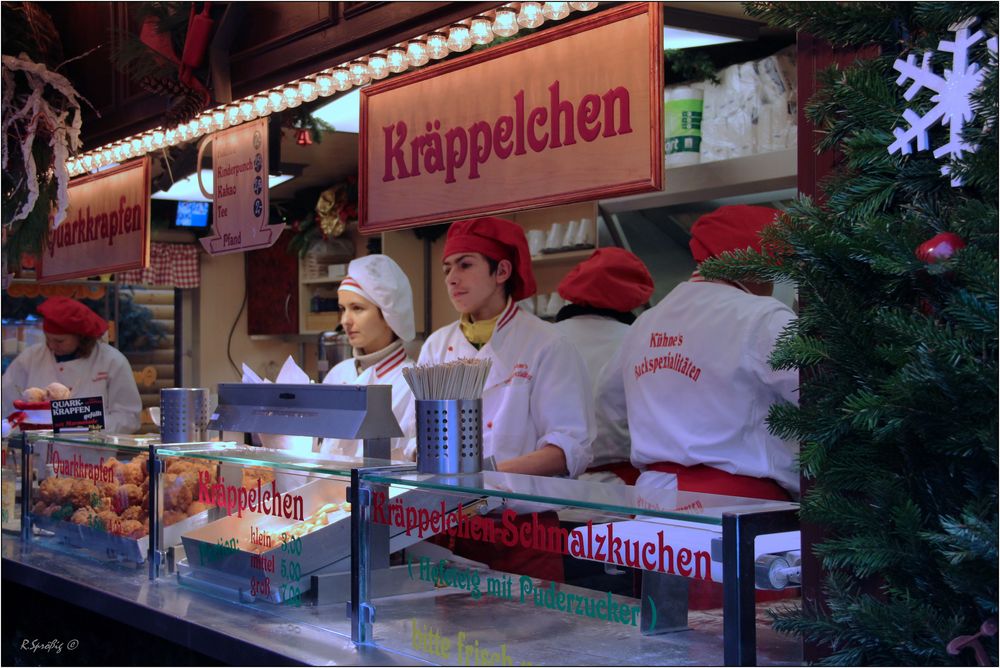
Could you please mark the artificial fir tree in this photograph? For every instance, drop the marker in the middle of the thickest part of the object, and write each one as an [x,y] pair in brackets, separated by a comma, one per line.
[896,344]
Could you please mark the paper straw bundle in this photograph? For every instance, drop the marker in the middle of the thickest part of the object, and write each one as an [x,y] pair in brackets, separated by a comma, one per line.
[461,379]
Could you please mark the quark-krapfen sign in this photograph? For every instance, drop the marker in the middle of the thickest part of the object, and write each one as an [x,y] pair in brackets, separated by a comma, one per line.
[240,197]
[106,228]
[570,114]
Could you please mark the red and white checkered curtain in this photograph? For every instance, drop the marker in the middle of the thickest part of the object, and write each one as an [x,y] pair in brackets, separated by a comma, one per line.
[170,265]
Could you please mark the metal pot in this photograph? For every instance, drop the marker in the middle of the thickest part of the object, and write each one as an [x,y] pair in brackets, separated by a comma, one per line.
[334,347]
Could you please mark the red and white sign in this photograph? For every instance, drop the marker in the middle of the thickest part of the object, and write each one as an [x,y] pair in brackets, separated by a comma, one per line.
[106,227]
[240,200]
[571,114]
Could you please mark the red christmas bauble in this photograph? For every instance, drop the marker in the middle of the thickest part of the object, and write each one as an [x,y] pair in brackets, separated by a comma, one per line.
[939,247]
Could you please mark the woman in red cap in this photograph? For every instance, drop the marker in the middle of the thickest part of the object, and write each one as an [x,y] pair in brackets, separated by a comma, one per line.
[602,292]
[536,401]
[693,379]
[72,355]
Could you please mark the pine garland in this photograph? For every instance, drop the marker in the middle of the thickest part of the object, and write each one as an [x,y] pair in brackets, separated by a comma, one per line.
[899,421]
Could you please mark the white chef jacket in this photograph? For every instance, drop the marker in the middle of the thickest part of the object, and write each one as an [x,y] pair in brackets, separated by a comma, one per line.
[105,373]
[692,376]
[597,338]
[387,372]
[537,391]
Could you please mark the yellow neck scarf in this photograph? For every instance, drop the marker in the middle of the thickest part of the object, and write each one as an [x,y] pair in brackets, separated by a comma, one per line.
[478,333]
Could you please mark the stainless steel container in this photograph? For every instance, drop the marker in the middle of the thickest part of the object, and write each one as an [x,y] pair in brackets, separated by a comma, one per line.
[450,436]
[183,414]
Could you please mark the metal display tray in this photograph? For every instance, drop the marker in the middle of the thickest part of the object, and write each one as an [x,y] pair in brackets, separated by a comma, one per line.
[212,549]
[112,546]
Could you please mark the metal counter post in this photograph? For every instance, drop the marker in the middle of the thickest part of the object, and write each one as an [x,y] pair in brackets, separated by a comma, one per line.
[361,617]
[156,555]
[26,450]
[739,530]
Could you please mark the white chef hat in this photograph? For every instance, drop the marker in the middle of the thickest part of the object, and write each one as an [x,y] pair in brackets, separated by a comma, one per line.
[379,279]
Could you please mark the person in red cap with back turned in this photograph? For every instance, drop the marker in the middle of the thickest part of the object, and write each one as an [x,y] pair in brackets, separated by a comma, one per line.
[73,356]
[602,292]
[536,401]
[692,378]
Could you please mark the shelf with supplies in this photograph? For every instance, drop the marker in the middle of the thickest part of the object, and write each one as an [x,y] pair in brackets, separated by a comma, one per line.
[745,175]
[322,281]
[318,309]
[575,255]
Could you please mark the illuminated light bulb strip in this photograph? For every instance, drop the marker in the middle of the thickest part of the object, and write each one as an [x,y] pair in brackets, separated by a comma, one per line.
[482,29]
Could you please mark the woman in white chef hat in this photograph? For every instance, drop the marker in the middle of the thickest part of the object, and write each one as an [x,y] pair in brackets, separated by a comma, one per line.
[376,312]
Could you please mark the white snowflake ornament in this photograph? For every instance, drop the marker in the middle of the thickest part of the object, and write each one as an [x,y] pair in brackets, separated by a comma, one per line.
[952,103]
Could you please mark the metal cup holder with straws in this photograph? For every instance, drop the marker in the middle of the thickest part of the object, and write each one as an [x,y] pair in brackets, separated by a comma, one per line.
[449,409]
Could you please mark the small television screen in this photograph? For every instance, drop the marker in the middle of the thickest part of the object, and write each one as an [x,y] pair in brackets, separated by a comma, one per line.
[192,214]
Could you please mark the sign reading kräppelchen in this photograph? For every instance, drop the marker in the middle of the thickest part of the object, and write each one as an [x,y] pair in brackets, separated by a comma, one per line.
[570,114]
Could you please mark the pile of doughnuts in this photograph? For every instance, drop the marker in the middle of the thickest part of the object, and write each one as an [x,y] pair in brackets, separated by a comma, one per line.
[121,506]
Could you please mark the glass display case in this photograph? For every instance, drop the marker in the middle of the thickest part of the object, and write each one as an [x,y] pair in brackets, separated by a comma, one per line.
[486,568]
[525,570]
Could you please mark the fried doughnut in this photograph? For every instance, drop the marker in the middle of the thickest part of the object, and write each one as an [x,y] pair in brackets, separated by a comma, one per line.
[176,495]
[135,513]
[84,516]
[173,517]
[195,508]
[83,493]
[108,520]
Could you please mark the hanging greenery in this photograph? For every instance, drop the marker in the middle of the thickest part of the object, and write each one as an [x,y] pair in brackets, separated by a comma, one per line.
[167,56]
[333,210]
[41,131]
[897,337]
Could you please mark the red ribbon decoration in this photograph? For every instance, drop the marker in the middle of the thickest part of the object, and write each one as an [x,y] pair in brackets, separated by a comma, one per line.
[199,35]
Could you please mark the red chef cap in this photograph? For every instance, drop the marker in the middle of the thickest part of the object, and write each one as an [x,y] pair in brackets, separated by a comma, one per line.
[497,239]
[67,316]
[729,228]
[611,278]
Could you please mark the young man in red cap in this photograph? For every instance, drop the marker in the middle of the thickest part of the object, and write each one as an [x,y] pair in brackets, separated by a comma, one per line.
[693,379]
[602,292]
[536,401]
[537,415]
[73,356]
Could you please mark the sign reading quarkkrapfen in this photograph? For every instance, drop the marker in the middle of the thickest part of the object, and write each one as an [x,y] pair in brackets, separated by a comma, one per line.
[240,200]
[106,228]
[569,114]
[85,412]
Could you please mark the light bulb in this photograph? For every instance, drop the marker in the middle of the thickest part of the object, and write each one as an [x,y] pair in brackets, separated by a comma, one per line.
[107,156]
[117,153]
[360,73]
[276,101]
[437,45]
[232,115]
[292,96]
[530,15]
[555,10]
[261,105]
[308,90]
[126,147]
[324,83]
[88,162]
[583,6]
[147,142]
[481,30]
[342,78]
[73,167]
[378,66]
[218,119]
[171,137]
[205,124]
[416,51]
[158,138]
[459,38]
[137,144]
[395,59]
[505,22]
[246,110]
